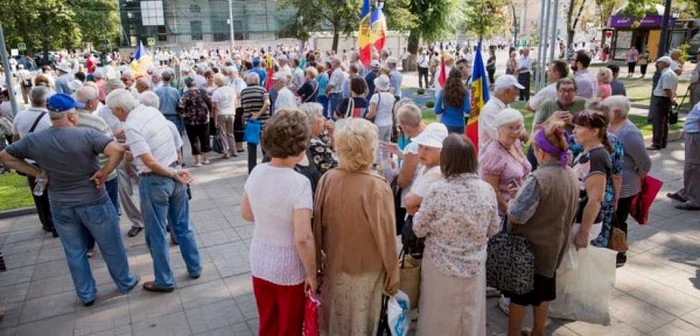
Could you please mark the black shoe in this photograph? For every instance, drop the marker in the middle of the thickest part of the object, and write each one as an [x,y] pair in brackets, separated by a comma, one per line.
[653,147]
[687,206]
[54,233]
[134,231]
[676,197]
[89,303]
[621,259]
[173,239]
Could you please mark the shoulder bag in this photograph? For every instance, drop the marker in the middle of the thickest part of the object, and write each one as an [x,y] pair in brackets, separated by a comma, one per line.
[307,99]
[510,263]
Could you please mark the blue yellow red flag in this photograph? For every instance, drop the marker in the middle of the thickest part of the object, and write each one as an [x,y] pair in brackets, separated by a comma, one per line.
[378,29]
[364,36]
[479,96]
[141,61]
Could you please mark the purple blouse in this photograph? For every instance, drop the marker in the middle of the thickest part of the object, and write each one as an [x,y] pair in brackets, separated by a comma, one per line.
[496,160]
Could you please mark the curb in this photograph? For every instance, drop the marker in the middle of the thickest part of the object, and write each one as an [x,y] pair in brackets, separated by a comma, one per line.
[672,136]
[17,212]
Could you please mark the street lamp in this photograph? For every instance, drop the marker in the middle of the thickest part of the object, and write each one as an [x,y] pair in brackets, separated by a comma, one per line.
[230,21]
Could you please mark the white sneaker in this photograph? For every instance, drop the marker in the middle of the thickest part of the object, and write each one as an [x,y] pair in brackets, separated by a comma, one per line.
[504,305]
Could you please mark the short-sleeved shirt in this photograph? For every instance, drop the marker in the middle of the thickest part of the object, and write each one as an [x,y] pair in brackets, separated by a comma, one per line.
[496,160]
[586,164]
[337,78]
[25,119]
[285,99]
[396,79]
[253,99]
[549,108]
[618,88]
[169,97]
[358,105]
[147,131]
[667,81]
[526,63]
[69,156]
[586,83]
[385,106]
[225,97]
[547,94]
[425,179]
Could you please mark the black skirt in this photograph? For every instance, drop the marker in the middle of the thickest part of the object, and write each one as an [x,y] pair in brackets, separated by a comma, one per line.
[545,290]
[238,129]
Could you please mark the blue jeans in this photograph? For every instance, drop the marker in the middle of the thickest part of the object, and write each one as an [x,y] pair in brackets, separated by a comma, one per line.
[74,224]
[164,199]
[455,129]
[112,188]
[177,120]
[323,100]
[334,101]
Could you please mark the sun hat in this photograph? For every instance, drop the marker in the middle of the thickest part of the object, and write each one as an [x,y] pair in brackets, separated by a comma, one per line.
[505,82]
[65,67]
[375,64]
[432,136]
[62,102]
[382,83]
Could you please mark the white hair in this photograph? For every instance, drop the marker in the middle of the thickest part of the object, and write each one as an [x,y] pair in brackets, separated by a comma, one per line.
[149,98]
[508,116]
[112,85]
[618,105]
[127,74]
[252,78]
[122,99]
[86,94]
[146,81]
[312,110]
[39,95]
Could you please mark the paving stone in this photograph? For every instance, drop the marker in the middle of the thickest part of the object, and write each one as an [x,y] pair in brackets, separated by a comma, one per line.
[240,329]
[113,318]
[174,324]
[226,235]
[677,327]
[246,304]
[14,293]
[15,276]
[50,286]
[50,270]
[12,313]
[48,306]
[145,305]
[214,316]
[205,293]
[58,326]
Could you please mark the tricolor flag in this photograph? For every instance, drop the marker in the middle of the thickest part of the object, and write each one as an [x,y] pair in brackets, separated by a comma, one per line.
[270,67]
[141,61]
[364,36]
[480,95]
[442,76]
[378,29]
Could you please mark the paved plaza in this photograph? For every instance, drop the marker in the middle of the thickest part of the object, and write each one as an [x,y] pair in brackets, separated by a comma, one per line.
[656,293]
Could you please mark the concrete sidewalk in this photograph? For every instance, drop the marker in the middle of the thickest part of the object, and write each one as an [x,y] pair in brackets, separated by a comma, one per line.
[657,292]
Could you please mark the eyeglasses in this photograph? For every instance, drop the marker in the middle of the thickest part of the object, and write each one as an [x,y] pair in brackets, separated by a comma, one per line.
[513,128]
[568,90]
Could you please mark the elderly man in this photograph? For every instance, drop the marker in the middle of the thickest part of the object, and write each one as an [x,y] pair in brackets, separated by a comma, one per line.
[68,158]
[258,68]
[297,75]
[506,90]
[25,82]
[565,107]
[586,81]
[618,87]
[285,97]
[523,71]
[676,63]
[355,59]
[143,84]
[156,80]
[36,119]
[689,196]
[169,98]
[395,76]
[163,188]
[557,70]
[256,106]
[127,78]
[663,96]
[334,89]
[64,78]
[371,76]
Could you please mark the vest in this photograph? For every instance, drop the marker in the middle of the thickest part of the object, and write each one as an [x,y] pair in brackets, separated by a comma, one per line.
[549,228]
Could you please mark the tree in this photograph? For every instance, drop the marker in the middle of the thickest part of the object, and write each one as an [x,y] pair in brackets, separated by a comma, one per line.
[606,8]
[98,20]
[571,20]
[434,22]
[484,18]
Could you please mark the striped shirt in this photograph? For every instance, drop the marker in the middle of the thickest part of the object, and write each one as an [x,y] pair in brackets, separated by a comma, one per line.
[89,120]
[252,100]
[148,132]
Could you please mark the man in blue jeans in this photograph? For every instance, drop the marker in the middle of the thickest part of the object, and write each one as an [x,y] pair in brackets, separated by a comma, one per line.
[163,188]
[68,155]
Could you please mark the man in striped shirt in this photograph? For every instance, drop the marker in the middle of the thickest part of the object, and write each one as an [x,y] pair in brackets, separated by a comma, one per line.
[255,103]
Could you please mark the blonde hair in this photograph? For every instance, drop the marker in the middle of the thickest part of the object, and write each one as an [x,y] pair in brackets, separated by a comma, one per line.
[220,80]
[605,75]
[356,143]
[311,71]
[409,114]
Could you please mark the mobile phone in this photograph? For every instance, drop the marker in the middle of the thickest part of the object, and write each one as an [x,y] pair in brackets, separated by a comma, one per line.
[512,183]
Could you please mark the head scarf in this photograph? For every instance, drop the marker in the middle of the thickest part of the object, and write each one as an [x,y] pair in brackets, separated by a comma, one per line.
[546,146]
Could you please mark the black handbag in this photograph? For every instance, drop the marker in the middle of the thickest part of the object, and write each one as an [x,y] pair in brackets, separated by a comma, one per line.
[510,263]
[412,245]
[384,329]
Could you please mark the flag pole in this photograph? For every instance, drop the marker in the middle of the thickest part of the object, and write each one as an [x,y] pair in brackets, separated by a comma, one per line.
[8,73]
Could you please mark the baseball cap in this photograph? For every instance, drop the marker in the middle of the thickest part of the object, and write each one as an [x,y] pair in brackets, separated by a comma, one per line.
[391,60]
[256,62]
[664,59]
[375,64]
[62,102]
[279,76]
[432,136]
[506,81]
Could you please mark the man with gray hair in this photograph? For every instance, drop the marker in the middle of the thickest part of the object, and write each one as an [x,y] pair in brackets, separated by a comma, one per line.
[143,84]
[68,158]
[169,97]
[36,119]
[163,187]
[395,76]
[663,97]
[506,90]
[334,89]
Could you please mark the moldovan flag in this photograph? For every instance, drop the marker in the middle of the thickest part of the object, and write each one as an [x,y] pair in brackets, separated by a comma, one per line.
[141,61]
[442,76]
[378,31]
[270,67]
[480,95]
[364,36]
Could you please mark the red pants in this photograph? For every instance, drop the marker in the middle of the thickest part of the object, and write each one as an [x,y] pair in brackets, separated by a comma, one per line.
[280,308]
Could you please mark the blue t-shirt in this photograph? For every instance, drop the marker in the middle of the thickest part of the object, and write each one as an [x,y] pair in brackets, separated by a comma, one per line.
[262,75]
[69,156]
[452,116]
[169,97]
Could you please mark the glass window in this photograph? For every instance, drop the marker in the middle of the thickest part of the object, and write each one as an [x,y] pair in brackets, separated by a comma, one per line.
[196,30]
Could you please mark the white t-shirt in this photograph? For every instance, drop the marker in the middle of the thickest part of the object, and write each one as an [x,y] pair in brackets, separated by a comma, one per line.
[526,63]
[25,119]
[225,96]
[425,179]
[285,99]
[384,108]
[274,193]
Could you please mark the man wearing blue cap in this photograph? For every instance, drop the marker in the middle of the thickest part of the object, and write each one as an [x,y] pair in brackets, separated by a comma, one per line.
[68,155]
[258,69]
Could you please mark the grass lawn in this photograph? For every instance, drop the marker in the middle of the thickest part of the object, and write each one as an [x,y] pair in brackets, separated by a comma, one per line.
[14,192]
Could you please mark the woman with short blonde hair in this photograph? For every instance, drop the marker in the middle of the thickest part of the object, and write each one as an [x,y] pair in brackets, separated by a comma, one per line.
[357,235]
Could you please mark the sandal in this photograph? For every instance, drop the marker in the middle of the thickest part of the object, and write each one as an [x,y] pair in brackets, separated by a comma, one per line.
[134,231]
[676,197]
[151,287]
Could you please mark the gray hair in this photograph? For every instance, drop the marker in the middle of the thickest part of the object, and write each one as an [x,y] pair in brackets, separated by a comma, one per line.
[312,110]
[86,94]
[409,114]
[128,74]
[167,75]
[122,99]
[39,95]
[112,85]
[252,78]
[149,98]
[146,81]
[618,105]
[509,115]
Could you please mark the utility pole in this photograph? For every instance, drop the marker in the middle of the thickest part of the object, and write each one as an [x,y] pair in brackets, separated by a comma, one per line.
[230,19]
[8,73]
[663,44]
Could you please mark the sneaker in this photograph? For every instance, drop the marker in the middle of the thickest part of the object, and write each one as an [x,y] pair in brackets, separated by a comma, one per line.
[225,157]
[134,231]
[207,162]
[90,253]
[198,164]
[503,305]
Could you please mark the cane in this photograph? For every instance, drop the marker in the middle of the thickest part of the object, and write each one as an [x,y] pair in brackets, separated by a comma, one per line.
[673,116]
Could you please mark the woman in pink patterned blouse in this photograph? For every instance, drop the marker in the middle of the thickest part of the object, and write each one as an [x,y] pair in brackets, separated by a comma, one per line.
[457,216]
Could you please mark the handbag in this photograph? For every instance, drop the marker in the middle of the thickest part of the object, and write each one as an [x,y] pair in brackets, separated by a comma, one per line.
[510,264]
[310,326]
[412,245]
[639,210]
[252,131]
[27,83]
[410,278]
[617,241]
[383,328]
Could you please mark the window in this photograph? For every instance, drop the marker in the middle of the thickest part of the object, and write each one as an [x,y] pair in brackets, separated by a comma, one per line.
[152,13]
[195,9]
[220,30]
[162,34]
[196,30]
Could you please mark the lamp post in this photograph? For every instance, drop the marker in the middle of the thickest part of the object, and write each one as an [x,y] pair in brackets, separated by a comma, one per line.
[230,24]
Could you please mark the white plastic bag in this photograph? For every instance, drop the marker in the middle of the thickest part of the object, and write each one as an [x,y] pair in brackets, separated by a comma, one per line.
[398,314]
[583,293]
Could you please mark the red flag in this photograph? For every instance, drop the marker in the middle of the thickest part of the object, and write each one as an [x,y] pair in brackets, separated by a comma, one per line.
[442,77]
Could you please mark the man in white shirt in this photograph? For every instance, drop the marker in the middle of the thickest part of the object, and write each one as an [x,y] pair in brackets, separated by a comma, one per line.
[664,94]
[334,89]
[285,97]
[557,70]
[506,89]
[524,67]
[675,60]
[25,82]
[152,144]
[283,67]
[423,65]
[395,77]
[297,75]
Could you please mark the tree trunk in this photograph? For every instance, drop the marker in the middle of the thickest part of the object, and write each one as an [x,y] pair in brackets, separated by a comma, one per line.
[412,48]
[45,49]
[336,36]
[570,37]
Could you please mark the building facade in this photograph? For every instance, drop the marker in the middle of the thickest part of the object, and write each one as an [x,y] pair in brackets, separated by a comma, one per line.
[200,22]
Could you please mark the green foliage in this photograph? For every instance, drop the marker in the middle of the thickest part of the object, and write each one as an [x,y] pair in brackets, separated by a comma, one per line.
[484,17]
[683,50]
[430,104]
[434,18]
[420,92]
[14,192]
[57,24]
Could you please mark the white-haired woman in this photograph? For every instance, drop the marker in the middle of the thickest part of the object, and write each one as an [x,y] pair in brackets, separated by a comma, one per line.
[320,150]
[149,98]
[255,102]
[636,161]
[357,235]
[308,92]
[605,77]
[223,102]
[381,107]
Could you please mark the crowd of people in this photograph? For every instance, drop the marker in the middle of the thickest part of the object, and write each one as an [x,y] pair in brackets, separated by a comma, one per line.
[328,126]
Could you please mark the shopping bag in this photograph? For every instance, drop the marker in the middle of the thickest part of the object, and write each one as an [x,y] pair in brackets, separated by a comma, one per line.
[409,279]
[583,293]
[641,203]
[252,131]
[310,327]
[397,311]
[218,145]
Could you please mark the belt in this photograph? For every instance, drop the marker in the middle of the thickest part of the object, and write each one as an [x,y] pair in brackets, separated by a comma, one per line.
[172,165]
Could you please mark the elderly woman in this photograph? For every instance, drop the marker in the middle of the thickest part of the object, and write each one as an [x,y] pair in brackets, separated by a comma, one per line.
[636,160]
[322,80]
[453,103]
[357,235]
[308,92]
[512,64]
[381,107]
[542,211]
[195,108]
[255,102]
[457,216]
[319,152]
[279,202]
[503,161]
[223,102]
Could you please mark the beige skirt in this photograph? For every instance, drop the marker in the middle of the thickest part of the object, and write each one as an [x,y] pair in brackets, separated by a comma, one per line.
[351,304]
[450,305]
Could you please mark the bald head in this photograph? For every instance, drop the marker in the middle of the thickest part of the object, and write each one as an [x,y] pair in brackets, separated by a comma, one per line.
[88,96]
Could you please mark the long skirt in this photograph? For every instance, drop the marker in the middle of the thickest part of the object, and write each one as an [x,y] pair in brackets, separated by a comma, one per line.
[450,305]
[351,304]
